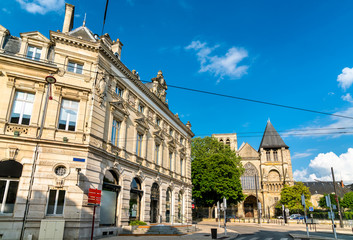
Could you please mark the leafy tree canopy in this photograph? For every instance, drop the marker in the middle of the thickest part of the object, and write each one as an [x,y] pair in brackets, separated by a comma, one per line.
[215,172]
[291,196]
[322,201]
[347,201]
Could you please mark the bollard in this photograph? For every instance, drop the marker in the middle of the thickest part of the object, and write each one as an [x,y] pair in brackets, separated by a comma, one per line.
[214,233]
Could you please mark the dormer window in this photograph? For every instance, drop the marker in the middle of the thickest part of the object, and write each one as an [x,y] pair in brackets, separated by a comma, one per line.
[119,91]
[75,67]
[141,108]
[34,52]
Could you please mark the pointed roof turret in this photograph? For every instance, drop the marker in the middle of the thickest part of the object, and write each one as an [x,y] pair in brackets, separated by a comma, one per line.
[271,138]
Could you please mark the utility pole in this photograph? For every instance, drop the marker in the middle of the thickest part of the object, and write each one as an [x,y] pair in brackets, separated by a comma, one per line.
[338,202]
[257,202]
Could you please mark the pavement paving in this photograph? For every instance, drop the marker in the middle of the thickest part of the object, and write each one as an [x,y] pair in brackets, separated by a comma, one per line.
[204,232]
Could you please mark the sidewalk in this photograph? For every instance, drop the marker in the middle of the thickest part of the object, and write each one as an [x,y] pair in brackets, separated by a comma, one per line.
[203,232]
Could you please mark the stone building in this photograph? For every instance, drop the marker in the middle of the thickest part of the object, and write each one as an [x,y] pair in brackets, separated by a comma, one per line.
[98,126]
[266,169]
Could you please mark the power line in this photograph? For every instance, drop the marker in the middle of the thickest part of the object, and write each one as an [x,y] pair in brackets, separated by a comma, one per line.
[232,97]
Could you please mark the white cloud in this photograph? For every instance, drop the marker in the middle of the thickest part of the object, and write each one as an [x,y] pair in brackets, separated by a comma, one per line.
[345,79]
[340,126]
[320,168]
[41,6]
[5,10]
[347,98]
[220,66]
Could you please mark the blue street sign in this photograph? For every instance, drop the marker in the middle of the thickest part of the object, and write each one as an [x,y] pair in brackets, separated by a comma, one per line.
[79,159]
[311,209]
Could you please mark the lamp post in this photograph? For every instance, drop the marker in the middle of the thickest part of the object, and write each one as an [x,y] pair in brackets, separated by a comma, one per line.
[50,80]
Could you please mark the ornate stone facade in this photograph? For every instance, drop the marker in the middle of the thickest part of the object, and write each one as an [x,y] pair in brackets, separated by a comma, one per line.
[267,169]
[97,127]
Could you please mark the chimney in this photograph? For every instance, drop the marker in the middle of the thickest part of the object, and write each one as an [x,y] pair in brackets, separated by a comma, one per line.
[69,18]
[116,48]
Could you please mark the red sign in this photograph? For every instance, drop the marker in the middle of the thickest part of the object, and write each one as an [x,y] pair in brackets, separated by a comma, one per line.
[94,196]
[193,206]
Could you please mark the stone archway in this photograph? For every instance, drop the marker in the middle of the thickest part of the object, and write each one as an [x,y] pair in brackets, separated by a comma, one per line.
[250,206]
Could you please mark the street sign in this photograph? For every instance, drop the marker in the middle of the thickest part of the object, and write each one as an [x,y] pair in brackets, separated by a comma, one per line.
[193,206]
[328,200]
[303,200]
[94,196]
[259,205]
[311,209]
[225,203]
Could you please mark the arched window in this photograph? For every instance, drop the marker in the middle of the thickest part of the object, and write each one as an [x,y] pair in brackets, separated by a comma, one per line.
[221,140]
[180,206]
[228,142]
[10,172]
[168,205]
[248,180]
[135,199]
[109,201]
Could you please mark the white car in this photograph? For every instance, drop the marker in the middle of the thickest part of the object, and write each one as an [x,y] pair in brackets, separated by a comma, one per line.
[294,216]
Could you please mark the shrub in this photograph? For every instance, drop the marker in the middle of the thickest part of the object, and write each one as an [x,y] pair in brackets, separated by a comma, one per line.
[137,222]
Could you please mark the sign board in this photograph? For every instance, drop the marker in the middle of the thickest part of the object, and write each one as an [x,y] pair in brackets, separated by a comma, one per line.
[287,211]
[94,196]
[259,205]
[303,200]
[193,206]
[334,207]
[328,200]
[79,159]
[311,209]
[224,203]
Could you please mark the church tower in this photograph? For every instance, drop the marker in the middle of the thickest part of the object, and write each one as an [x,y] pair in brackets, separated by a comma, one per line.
[275,165]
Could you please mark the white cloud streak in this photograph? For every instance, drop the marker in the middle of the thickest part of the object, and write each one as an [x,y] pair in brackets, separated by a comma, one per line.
[41,6]
[345,79]
[347,98]
[220,66]
[320,167]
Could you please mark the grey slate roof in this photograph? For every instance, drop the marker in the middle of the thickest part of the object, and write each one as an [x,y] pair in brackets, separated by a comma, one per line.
[271,138]
[326,188]
[12,44]
[83,33]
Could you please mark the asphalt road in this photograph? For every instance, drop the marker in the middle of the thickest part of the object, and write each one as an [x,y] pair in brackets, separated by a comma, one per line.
[274,232]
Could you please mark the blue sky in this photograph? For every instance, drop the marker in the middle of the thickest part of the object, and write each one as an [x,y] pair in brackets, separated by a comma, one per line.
[296,53]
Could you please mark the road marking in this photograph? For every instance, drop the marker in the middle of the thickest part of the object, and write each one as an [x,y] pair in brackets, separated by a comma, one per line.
[268,238]
[255,238]
[284,239]
[241,238]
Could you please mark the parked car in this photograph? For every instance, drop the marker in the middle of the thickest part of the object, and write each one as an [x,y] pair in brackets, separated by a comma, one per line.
[294,216]
[280,217]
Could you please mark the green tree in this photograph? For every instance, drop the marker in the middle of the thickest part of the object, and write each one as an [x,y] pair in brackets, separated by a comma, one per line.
[322,201]
[215,172]
[291,196]
[347,201]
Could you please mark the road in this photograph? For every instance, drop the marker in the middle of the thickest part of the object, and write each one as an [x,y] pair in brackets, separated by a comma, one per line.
[276,232]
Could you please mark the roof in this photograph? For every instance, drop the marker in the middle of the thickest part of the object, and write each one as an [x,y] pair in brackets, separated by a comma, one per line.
[271,138]
[326,188]
[83,33]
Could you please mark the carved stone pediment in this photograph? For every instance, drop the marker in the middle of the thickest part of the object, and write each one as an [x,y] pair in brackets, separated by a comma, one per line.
[142,123]
[172,145]
[182,151]
[158,135]
[119,109]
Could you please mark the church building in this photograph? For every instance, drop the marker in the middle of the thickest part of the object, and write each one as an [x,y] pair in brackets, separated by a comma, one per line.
[267,170]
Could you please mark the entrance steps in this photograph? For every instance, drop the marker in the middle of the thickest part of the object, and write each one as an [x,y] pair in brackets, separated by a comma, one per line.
[158,230]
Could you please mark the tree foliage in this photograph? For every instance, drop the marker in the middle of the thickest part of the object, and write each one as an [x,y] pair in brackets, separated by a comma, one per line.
[215,172]
[291,196]
[347,201]
[322,201]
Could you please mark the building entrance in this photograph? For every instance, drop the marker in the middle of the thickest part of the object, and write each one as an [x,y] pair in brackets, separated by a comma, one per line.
[250,206]
[154,203]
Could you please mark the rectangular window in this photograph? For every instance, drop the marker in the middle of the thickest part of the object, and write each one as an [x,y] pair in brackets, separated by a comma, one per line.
[171,161]
[268,156]
[156,154]
[22,108]
[141,108]
[75,67]
[8,193]
[170,132]
[158,121]
[119,91]
[34,52]
[139,144]
[275,156]
[181,166]
[68,115]
[181,140]
[56,202]
[115,132]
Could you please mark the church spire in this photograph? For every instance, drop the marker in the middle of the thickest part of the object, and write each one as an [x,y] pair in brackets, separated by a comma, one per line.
[271,138]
